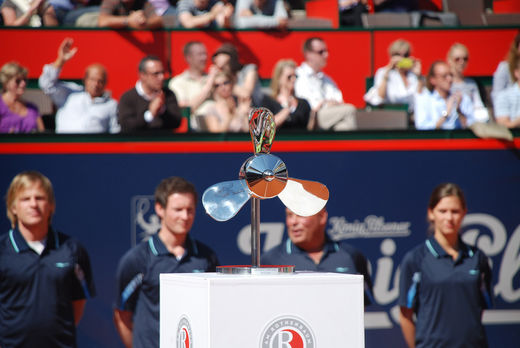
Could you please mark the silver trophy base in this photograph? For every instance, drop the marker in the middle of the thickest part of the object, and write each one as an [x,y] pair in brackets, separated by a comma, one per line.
[243,269]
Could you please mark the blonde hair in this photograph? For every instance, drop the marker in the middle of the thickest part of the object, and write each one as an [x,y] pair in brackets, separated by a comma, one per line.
[10,70]
[454,47]
[277,72]
[21,182]
[398,46]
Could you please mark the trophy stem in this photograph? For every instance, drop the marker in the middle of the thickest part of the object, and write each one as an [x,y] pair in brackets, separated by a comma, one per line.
[255,232]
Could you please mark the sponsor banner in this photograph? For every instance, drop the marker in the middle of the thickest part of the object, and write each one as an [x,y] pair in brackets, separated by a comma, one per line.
[377,203]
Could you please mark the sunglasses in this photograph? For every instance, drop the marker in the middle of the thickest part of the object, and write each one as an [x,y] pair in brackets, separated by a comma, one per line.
[19,80]
[321,52]
[156,73]
[291,77]
[458,59]
[225,83]
[444,76]
[405,55]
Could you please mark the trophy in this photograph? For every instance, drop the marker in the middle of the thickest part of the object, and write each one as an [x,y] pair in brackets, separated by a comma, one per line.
[262,176]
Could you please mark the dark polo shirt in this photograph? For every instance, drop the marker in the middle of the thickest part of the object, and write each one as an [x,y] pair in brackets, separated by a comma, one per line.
[138,282]
[447,295]
[338,258]
[37,291]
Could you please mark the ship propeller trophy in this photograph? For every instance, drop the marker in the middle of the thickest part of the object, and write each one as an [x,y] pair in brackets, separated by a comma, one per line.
[262,176]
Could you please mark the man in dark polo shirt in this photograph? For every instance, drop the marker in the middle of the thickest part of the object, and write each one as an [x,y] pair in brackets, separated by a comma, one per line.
[171,250]
[309,248]
[45,276]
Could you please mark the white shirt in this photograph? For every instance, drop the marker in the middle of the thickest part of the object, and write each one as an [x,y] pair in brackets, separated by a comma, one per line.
[396,91]
[508,102]
[78,112]
[315,87]
[429,106]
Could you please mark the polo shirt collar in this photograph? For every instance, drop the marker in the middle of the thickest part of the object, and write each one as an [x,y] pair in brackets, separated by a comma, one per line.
[329,247]
[19,243]
[157,246]
[307,70]
[436,250]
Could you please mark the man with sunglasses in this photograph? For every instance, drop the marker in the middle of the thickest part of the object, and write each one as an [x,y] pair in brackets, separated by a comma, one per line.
[321,91]
[81,109]
[149,105]
[437,107]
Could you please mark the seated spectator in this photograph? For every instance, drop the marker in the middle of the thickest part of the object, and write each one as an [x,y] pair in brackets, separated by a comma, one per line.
[350,12]
[507,106]
[290,112]
[35,13]
[263,14]
[247,83]
[395,5]
[88,109]
[458,56]
[137,14]
[149,105]
[437,107]
[16,116]
[193,86]
[68,11]
[399,80]
[503,76]
[204,14]
[322,93]
[226,113]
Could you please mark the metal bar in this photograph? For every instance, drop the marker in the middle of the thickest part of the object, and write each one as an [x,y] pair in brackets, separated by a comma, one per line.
[255,232]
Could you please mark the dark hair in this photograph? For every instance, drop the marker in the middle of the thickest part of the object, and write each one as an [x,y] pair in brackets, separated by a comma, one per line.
[187,48]
[229,49]
[171,185]
[142,63]
[431,73]
[512,56]
[445,190]
[307,44]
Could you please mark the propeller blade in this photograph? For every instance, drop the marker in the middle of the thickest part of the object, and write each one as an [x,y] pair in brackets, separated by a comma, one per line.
[303,197]
[222,201]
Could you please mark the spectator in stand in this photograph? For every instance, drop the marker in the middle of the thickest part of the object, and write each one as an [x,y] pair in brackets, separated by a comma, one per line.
[204,13]
[321,91]
[437,107]
[350,12]
[193,86]
[261,14]
[457,58]
[35,13]
[247,83]
[290,112]
[396,5]
[507,106]
[68,11]
[149,105]
[88,109]
[226,113]
[399,80]
[17,116]
[136,14]
[503,76]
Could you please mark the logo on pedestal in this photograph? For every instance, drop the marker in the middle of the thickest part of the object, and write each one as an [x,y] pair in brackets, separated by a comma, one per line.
[287,332]
[184,335]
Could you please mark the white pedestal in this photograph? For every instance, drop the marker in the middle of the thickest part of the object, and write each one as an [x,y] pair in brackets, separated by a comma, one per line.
[213,310]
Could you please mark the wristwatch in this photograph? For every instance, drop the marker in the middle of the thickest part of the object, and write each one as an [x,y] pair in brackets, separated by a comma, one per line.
[444,113]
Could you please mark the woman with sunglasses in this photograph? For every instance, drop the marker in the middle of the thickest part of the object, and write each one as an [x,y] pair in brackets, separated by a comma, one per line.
[290,112]
[399,80]
[457,58]
[444,284]
[16,116]
[226,112]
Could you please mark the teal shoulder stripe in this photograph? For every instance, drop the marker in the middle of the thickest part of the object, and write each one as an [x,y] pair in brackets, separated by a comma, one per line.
[432,250]
[336,247]
[288,247]
[11,237]
[152,246]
